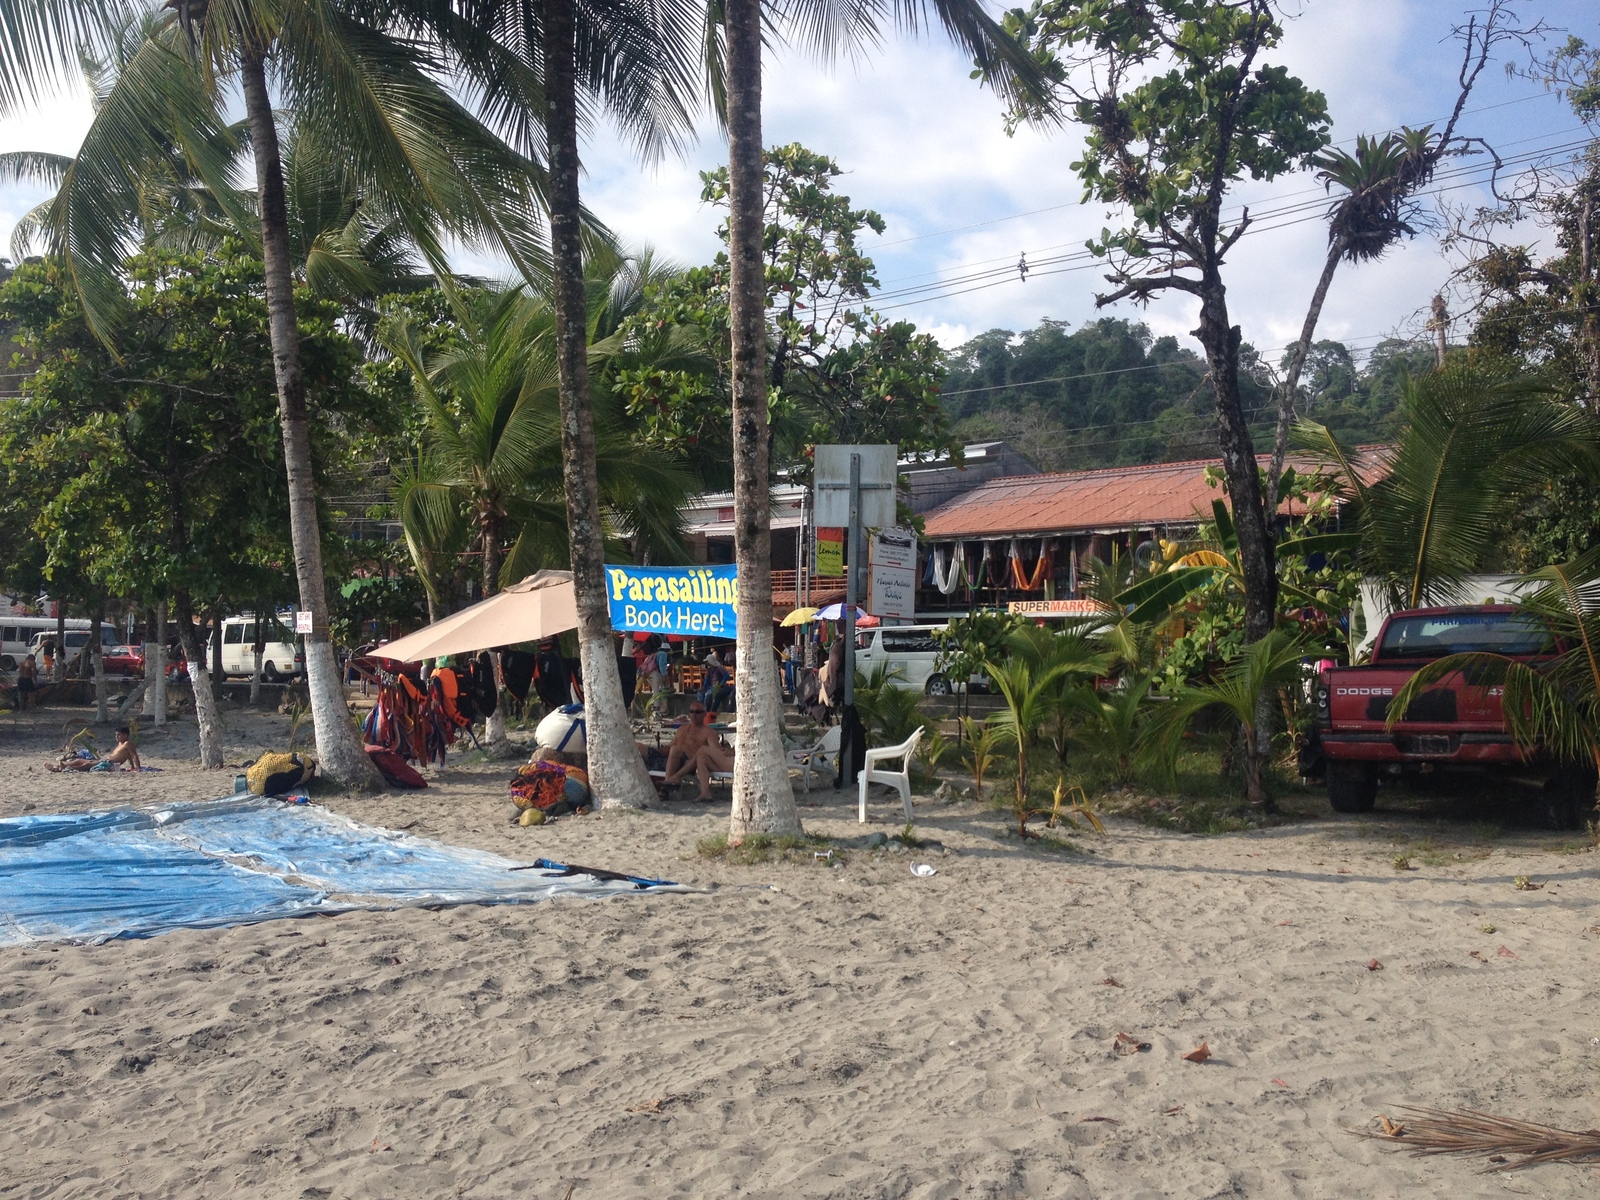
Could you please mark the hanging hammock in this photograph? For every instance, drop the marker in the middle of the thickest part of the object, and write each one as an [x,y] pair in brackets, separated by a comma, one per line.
[1022,581]
[947,575]
[996,570]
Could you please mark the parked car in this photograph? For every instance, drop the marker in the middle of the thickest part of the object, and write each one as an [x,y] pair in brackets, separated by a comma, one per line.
[77,639]
[911,655]
[124,660]
[1455,726]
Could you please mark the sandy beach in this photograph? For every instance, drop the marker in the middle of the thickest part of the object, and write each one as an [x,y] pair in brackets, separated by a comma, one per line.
[814,1030]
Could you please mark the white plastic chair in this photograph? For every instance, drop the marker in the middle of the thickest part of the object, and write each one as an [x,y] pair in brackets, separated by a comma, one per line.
[900,779]
[815,758]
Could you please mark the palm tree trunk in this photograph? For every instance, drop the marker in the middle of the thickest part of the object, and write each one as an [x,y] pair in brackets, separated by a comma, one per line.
[338,745]
[494,725]
[1297,363]
[616,772]
[206,718]
[763,798]
[101,714]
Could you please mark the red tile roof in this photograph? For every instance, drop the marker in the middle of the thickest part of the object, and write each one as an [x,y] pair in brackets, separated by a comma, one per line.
[1108,500]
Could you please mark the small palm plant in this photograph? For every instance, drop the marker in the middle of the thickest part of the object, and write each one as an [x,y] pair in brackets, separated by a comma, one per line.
[1034,681]
[981,752]
[1552,706]
[1265,666]
[1111,723]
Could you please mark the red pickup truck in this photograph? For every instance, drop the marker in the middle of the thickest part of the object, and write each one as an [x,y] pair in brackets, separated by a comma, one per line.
[1454,725]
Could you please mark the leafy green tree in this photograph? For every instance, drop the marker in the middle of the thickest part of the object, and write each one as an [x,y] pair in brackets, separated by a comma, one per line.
[1179,106]
[369,91]
[157,472]
[1476,437]
[493,456]
[837,372]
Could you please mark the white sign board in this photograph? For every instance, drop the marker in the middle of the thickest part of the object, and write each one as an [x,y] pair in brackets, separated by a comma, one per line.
[896,547]
[892,581]
[892,592]
[302,620]
[832,483]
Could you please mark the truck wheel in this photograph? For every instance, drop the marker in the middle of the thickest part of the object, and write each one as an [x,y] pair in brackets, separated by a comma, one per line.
[8,663]
[269,672]
[1568,800]
[1352,788]
[938,685]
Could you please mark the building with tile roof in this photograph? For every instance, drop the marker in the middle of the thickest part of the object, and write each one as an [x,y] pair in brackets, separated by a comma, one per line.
[1027,536]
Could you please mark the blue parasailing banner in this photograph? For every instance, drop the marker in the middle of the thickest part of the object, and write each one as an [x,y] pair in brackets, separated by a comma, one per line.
[689,601]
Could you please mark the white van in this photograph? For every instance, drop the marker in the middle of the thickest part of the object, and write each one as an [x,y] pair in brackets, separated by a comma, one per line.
[909,652]
[77,639]
[18,634]
[281,657]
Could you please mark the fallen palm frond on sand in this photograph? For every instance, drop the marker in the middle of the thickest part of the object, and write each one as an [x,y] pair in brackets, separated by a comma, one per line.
[1437,1131]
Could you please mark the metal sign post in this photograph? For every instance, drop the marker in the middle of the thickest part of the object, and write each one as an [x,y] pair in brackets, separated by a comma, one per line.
[852,574]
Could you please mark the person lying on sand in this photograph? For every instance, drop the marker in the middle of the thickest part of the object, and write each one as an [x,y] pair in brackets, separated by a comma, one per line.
[124,756]
[696,748]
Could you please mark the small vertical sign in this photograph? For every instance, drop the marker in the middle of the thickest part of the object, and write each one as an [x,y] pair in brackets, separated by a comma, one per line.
[830,552]
[892,590]
[302,620]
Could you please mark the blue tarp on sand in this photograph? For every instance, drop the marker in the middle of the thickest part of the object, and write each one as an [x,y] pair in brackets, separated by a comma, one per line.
[129,872]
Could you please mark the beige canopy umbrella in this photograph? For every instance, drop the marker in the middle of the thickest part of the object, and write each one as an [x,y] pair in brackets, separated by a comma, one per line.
[541,606]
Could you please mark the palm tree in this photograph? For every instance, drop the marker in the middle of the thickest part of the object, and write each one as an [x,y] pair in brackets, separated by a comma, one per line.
[1035,679]
[1552,706]
[1475,436]
[1264,667]
[561,59]
[1373,212]
[763,800]
[403,140]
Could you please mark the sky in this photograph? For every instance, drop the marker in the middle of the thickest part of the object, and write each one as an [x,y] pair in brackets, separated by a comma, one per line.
[926,147]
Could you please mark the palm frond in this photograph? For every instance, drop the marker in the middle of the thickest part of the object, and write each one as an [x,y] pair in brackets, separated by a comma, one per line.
[1468,1131]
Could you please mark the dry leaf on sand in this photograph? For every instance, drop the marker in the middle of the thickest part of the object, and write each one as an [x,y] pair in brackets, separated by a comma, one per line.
[654,1106]
[1199,1054]
[1374,965]
[1107,1120]
[1390,1128]
[1506,952]
[1173,1111]
[1110,981]
[1279,1082]
[1126,1043]
[1477,954]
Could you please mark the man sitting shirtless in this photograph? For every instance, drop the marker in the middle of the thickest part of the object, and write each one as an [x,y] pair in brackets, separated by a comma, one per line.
[697,748]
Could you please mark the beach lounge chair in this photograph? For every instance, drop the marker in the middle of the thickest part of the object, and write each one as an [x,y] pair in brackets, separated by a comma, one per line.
[900,779]
[816,758]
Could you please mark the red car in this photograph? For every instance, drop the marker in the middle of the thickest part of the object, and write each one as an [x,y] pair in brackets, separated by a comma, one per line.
[124,660]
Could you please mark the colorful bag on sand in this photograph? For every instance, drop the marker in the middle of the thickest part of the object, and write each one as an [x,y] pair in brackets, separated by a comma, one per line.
[273,774]
[551,787]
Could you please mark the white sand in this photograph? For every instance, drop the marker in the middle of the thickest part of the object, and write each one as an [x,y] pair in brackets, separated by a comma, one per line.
[812,1031]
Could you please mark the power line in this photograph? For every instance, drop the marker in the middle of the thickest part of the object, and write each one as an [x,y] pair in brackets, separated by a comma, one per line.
[1083,260]
[1276,208]
[1079,203]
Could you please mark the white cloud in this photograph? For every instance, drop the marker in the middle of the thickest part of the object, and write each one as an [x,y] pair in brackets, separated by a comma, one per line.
[924,145]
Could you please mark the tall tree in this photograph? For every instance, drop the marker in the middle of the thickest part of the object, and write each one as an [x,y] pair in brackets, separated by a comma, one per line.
[763,799]
[1179,106]
[1377,186]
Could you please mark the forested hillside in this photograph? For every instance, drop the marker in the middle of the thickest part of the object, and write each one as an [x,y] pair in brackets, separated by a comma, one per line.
[1110,393]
